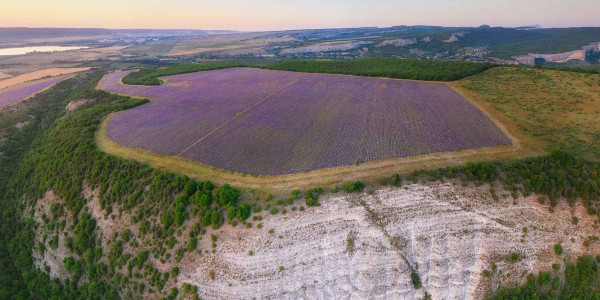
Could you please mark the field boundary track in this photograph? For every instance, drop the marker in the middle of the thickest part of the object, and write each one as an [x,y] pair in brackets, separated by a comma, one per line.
[368,171]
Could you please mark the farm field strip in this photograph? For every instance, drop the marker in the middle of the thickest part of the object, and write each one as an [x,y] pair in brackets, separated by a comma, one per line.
[16,94]
[278,122]
[38,75]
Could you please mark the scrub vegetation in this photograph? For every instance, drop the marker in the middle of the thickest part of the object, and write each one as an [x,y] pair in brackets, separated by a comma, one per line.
[431,70]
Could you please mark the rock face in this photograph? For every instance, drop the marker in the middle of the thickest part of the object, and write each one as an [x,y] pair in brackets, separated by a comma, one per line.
[563,57]
[363,246]
[324,48]
[454,37]
[398,42]
[73,105]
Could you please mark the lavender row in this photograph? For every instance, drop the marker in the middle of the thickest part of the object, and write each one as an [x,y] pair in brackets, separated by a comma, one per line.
[16,95]
[187,108]
[306,121]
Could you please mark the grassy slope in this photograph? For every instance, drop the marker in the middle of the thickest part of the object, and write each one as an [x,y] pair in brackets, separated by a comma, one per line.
[547,107]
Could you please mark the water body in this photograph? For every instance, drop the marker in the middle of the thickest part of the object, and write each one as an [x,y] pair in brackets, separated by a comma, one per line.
[25,50]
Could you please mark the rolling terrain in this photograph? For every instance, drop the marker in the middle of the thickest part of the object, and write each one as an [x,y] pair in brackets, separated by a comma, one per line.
[83,217]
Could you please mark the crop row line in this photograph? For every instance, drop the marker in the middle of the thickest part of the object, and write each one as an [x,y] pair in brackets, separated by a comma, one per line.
[237,115]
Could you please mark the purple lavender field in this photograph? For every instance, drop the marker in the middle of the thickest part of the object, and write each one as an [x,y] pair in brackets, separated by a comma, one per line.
[13,96]
[278,122]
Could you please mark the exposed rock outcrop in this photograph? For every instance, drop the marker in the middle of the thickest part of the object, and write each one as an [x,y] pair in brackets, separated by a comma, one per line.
[580,54]
[398,42]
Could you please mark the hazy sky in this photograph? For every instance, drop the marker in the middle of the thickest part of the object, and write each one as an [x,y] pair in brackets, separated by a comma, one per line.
[295,14]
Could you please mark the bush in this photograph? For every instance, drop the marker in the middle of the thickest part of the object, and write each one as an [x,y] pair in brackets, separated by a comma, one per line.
[416,280]
[231,212]
[296,194]
[558,249]
[354,186]
[190,188]
[515,257]
[243,211]
[227,195]
[396,180]
[312,196]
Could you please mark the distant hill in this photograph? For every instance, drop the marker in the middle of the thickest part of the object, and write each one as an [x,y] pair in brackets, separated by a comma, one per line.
[26,32]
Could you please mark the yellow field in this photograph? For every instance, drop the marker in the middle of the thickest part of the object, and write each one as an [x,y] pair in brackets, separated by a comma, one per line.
[38,75]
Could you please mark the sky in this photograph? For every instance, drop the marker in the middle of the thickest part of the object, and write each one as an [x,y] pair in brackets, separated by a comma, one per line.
[258,15]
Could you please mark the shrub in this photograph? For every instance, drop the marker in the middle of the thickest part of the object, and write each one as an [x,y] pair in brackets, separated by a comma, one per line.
[416,280]
[179,212]
[312,196]
[558,249]
[544,278]
[126,235]
[354,186]
[243,211]
[171,242]
[202,198]
[396,180]
[227,195]
[190,188]
[296,194]
[231,212]
[515,256]
[192,244]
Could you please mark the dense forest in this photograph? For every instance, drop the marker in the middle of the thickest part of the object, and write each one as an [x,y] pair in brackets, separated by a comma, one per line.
[581,281]
[374,67]
[150,75]
[388,67]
